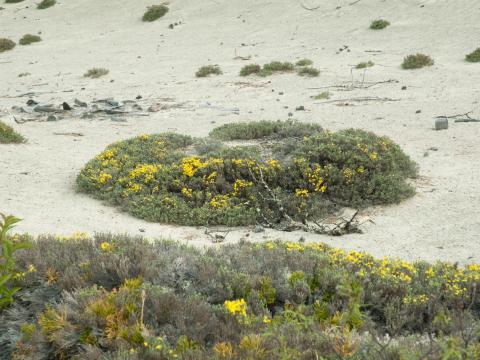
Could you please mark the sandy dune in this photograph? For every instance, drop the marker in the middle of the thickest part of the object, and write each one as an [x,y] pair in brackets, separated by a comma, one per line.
[37,178]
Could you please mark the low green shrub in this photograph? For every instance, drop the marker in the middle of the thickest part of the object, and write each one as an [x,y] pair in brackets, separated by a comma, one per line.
[27,39]
[155,12]
[417,61]
[364,65]
[208,70]
[115,297]
[278,66]
[8,135]
[379,24]
[95,73]
[308,71]
[250,69]
[292,170]
[304,62]
[13,1]
[325,95]
[473,56]
[6,44]
[45,4]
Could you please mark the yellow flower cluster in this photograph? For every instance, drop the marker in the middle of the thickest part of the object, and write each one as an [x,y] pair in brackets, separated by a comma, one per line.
[239,185]
[316,179]
[236,307]
[415,300]
[348,174]
[105,246]
[301,193]
[103,178]
[147,171]
[191,165]
[219,201]
[187,192]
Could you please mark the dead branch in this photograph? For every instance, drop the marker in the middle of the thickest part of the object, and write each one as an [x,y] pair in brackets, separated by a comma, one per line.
[459,118]
[310,9]
[359,99]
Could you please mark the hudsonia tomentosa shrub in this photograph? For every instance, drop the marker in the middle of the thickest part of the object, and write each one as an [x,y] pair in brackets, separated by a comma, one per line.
[117,297]
[308,71]
[304,62]
[473,56]
[95,73]
[45,4]
[299,171]
[6,44]
[28,39]
[208,70]
[155,12]
[379,24]
[417,61]
[8,135]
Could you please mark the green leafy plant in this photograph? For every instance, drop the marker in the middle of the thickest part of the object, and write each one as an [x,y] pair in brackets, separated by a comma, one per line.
[308,71]
[304,62]
[8,135]
[379,24]
[417,61]
[45,4]
[155,12]
[29,38]
[95,73]
[8,268]
[299,172]
[6,44]
[364,65]
[473,56]
[205,71]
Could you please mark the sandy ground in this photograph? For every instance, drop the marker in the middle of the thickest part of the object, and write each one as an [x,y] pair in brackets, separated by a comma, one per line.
[37,178]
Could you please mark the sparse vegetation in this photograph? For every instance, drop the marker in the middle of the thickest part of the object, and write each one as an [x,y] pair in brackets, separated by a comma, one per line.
[13,1]
[300,173]
[205,71]
[473,56]
[379,24]
[155,12]
[278,66]
[29,39]
[304,62]
[308,71]
[116,297]
[417,61]
[8,135]
[96,73]
[6,44]
[250,69]
[45,4]
[364,65]
[322,96]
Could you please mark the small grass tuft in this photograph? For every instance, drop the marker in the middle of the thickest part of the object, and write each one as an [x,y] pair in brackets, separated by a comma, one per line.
[473,56]
[207,70]
[95,73]
[6,44]
[154,12]
[29,39]
[9,136]
[322,96]
[45,4]
[364,65]
[379,24]
[250,69]
[308,71]
[304,62]
[278,66]
[417,61]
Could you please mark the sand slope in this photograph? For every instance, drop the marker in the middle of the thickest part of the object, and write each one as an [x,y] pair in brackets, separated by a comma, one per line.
[37,179]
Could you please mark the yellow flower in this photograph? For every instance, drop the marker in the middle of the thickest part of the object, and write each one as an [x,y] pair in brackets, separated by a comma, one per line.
[145,344]
[158,347]
[301,193]
[373,156]
[429,273]
[103,177]
[147,171]
[361,170]
[187,192]
[144,137]
[273,164]
[105,246]
[266,319]
[236,307]
[239,185]
[31,268]
[191,165]
[219,201]
[291,246]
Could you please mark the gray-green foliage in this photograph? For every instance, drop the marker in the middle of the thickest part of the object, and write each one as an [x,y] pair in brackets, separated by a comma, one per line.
[28,39]
[155,12]
[474,56]
[417,61]
[45,4]
[95,73]
[8,135]
[6,44]
[208,70]
[379,24]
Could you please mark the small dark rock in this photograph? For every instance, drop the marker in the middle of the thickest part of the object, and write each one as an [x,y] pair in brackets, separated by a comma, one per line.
[300,108]
[52,118]
[65,106]
[418,111]
[31,102]
[138,97]
[258,229]
[404,88]
[290,114]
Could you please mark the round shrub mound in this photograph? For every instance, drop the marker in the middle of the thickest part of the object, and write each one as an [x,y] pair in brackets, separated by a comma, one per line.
[116,297]
[281,170]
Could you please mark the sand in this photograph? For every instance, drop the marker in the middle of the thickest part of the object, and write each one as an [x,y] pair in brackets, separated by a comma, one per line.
[37,179]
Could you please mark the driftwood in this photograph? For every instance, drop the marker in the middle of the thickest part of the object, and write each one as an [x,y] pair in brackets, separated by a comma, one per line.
[348,86]
[358,99]
[459,118]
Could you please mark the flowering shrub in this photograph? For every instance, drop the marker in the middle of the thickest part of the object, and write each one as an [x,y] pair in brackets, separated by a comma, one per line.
[161,300]
[299,172]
